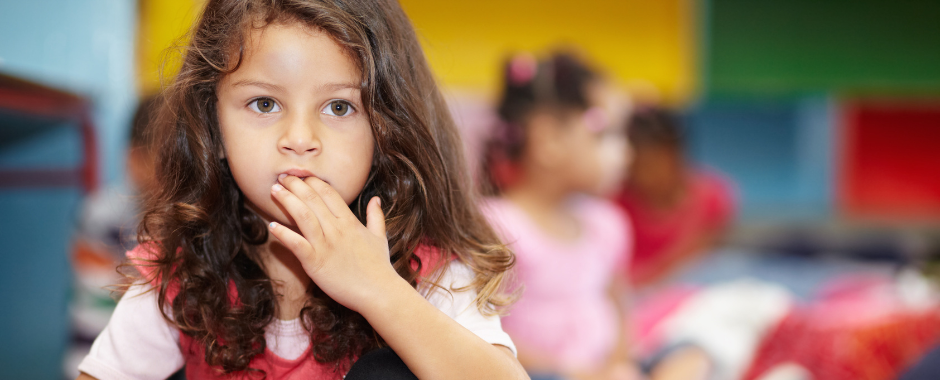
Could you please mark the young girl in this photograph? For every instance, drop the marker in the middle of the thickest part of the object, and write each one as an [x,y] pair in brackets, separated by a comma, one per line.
[561,143]
[550,156]
[309,181]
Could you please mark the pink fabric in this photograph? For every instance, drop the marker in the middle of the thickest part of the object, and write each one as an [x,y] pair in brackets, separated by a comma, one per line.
[565,309]
[708,206]
[648,312]
[860,332]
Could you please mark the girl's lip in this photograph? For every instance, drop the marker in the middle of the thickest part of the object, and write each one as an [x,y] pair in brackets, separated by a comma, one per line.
[299,173]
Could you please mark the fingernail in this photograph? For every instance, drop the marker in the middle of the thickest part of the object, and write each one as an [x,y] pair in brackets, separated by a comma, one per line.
[277,187]
[281,176]
[378,201]
[272,225]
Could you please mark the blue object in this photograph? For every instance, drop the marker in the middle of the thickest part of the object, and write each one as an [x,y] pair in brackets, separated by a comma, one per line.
[779,153]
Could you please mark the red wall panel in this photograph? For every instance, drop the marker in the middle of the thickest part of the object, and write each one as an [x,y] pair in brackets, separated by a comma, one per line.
[891,160]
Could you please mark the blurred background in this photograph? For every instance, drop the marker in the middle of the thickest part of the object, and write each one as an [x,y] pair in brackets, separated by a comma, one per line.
[823,115]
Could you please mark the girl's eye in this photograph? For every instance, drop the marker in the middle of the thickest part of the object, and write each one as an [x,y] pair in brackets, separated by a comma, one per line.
[338,108]
[264,105]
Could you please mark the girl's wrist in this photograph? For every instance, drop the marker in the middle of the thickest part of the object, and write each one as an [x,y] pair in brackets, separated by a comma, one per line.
[393,293]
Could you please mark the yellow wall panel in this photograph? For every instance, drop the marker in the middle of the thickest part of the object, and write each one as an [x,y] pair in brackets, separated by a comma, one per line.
[638,41]
[163,25]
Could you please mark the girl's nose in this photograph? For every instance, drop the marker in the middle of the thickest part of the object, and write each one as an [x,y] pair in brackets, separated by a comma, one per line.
[300,137]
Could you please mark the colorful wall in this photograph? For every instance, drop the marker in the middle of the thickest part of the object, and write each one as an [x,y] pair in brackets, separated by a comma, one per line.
[861,47]
[765,82]
[845,95]
[642,43]
[162,28]
[772,90]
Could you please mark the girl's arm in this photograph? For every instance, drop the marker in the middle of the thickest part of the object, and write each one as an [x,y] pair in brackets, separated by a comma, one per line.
[534,360]
[350,263]
[619,293]
[620,363]
[432,344]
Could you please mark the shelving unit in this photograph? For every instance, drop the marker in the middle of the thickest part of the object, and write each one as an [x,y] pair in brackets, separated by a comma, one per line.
[48,162]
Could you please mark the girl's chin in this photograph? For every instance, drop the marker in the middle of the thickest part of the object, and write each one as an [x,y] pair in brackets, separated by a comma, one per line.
[278,215]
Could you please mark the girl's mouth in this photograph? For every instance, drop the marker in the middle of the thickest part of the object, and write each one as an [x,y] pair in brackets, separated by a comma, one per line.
[299,173]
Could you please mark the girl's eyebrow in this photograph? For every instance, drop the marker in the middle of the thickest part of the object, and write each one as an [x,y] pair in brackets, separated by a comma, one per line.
[266,86]
[334,86]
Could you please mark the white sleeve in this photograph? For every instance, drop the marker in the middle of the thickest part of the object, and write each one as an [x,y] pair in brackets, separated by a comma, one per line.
[137,343]
[461,307]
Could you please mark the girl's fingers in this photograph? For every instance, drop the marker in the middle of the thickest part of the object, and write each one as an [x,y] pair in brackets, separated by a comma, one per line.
[306,219]
[375,218]
[330,197]
[293,241]
[311,198]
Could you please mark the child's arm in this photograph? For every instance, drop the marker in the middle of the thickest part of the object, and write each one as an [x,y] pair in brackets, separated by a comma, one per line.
[620,363]
[350,263]
[619,293]
[532,359]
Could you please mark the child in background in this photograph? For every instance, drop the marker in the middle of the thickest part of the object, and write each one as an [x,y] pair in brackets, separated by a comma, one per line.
[560,146]
[107,229]
[108,226]
[310,207]
[545,161]
[677,213]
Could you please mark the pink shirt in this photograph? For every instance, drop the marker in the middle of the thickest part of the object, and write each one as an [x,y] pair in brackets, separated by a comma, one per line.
[565,310]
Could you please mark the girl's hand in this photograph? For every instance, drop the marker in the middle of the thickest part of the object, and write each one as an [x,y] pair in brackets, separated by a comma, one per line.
[348,261]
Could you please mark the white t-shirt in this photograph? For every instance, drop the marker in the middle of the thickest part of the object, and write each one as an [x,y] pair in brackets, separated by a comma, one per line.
[139,344]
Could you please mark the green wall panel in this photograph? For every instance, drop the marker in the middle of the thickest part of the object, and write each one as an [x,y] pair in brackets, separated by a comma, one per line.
[801,46]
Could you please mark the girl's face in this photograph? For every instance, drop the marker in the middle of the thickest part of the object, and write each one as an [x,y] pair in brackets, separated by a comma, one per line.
[613,148]
[595,143]
[294,107]
[588,147]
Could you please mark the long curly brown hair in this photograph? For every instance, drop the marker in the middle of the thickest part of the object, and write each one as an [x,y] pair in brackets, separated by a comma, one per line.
[207,238]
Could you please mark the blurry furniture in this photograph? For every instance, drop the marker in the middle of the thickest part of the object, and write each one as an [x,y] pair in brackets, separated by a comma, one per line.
[47,163]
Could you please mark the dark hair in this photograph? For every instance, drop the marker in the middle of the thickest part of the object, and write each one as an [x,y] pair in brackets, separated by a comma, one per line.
[656,127]
[557,81]
[143,117]
[557,84]
[207,238]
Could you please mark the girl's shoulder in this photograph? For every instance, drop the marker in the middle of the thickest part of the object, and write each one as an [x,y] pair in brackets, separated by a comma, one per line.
[142,259]
[433,260]
[492,206]
[504,216]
